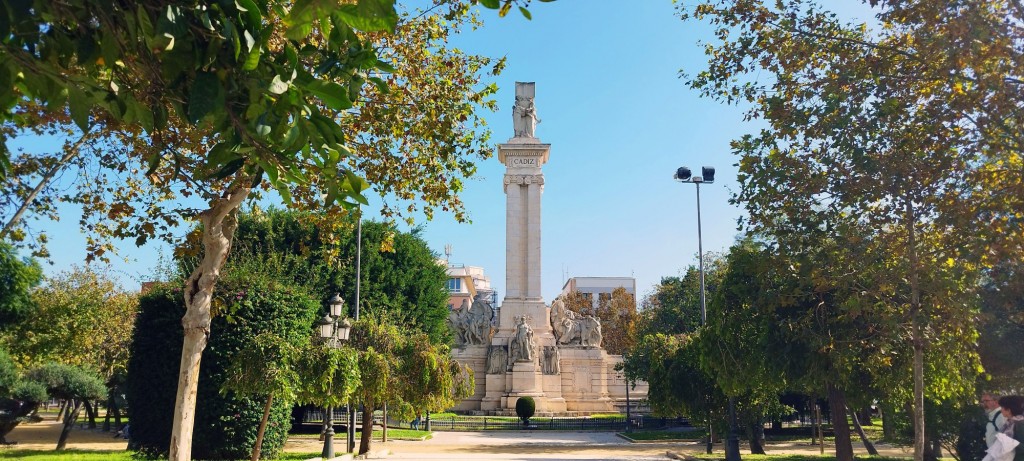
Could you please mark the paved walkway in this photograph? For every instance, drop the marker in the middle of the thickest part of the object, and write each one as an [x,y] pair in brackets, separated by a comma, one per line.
[525,445]
[535,445]
[490,445]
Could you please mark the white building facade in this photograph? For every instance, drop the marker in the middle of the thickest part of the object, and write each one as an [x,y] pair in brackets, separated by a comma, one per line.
[599,289]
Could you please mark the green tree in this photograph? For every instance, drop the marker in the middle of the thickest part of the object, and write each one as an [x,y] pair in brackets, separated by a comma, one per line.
[1002,322]
[251,304]
[894,126]
[405,370]
[17,278]
[19,397]
[263,369]
[71,383]
[670,364]
[400,274]
[80,320]
[276,93]
[329,377]
[675,302]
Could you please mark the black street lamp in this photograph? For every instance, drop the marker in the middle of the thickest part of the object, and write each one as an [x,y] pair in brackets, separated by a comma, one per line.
[683,174]
[333,332]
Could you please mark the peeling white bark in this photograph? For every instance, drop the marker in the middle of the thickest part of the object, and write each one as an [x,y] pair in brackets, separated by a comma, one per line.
[219,223]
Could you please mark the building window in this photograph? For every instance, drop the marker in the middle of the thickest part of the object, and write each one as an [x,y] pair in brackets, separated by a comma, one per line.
[454,284]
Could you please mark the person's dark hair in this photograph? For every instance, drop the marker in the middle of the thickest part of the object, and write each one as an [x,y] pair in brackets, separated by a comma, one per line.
[1014,403]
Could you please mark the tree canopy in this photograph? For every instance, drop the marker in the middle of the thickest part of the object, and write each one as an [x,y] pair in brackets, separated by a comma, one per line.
[17,278]
[906,127]
[80,320]
[309,99]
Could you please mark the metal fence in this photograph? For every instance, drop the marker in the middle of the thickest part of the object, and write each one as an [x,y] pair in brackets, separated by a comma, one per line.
[505,423]
[485,423]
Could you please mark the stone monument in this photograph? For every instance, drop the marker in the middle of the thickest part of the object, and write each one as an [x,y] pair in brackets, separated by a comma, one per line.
[551,354]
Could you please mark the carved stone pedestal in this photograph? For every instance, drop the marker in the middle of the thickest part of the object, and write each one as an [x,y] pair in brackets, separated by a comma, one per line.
[475,357]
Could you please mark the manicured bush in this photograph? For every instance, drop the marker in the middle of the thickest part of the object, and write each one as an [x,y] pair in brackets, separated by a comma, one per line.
[525,408]
[19,397]
[225,427]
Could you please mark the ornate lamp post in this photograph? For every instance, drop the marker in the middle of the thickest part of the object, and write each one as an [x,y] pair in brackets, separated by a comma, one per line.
[333,332]
[683,174]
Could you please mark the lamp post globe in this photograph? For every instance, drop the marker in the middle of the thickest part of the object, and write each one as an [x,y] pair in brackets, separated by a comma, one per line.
[337,305]
[325,326]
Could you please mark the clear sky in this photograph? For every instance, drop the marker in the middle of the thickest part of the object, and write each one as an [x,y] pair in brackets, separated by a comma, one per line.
[619,120]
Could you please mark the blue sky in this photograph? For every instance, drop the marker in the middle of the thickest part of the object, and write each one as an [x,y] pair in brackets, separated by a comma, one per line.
[619,121]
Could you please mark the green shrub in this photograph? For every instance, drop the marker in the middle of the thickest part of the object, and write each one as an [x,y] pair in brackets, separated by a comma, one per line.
[69,382]
[19,398]
[525,408]
[225,425]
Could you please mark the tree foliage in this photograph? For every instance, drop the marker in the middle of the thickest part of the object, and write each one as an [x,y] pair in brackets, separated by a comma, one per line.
[19,397]
[406,371]
[227,423]
[300,98]
[619,320]
[73,384]
[17,278]
[907,128]
[80,320]
[400,274]
[674,305]
[667,355]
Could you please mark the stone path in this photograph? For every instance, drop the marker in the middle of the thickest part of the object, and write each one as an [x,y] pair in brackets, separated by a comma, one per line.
[528,445]
[491,445]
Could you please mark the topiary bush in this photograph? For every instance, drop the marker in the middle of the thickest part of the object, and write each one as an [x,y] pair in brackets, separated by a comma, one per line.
[19,398]
[226,424]
[525,408]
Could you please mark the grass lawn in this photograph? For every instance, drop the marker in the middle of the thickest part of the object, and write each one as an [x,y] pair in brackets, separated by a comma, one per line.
[665,435]
[402,434]
[81,455]
[393,434]
[750,457]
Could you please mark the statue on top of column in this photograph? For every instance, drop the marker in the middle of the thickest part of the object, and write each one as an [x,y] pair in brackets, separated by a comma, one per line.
[524,113]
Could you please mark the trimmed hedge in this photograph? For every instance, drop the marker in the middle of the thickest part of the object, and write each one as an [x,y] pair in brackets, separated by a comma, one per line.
[525,408]
[225,425]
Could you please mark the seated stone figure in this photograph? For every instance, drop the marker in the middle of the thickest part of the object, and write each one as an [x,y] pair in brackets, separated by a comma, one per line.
[571,328]
[471,325]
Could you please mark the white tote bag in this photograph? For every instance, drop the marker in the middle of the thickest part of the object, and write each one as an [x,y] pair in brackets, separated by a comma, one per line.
[1002,449]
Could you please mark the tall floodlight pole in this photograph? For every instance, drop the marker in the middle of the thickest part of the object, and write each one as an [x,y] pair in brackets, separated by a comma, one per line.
[683,174]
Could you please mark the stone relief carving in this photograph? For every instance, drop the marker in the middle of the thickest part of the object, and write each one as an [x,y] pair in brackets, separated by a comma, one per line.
[551,359]
[524,117]
[571,328]
[523,179]
[497,359]
[522,345]
[471,325]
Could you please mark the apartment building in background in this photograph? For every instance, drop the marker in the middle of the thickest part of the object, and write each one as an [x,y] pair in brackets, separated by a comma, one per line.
[598,289]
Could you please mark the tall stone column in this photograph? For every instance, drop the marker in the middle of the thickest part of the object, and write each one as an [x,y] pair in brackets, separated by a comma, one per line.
[523,157]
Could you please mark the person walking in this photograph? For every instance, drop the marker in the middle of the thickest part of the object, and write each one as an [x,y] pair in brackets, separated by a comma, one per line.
[1012,407]
[994,420]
